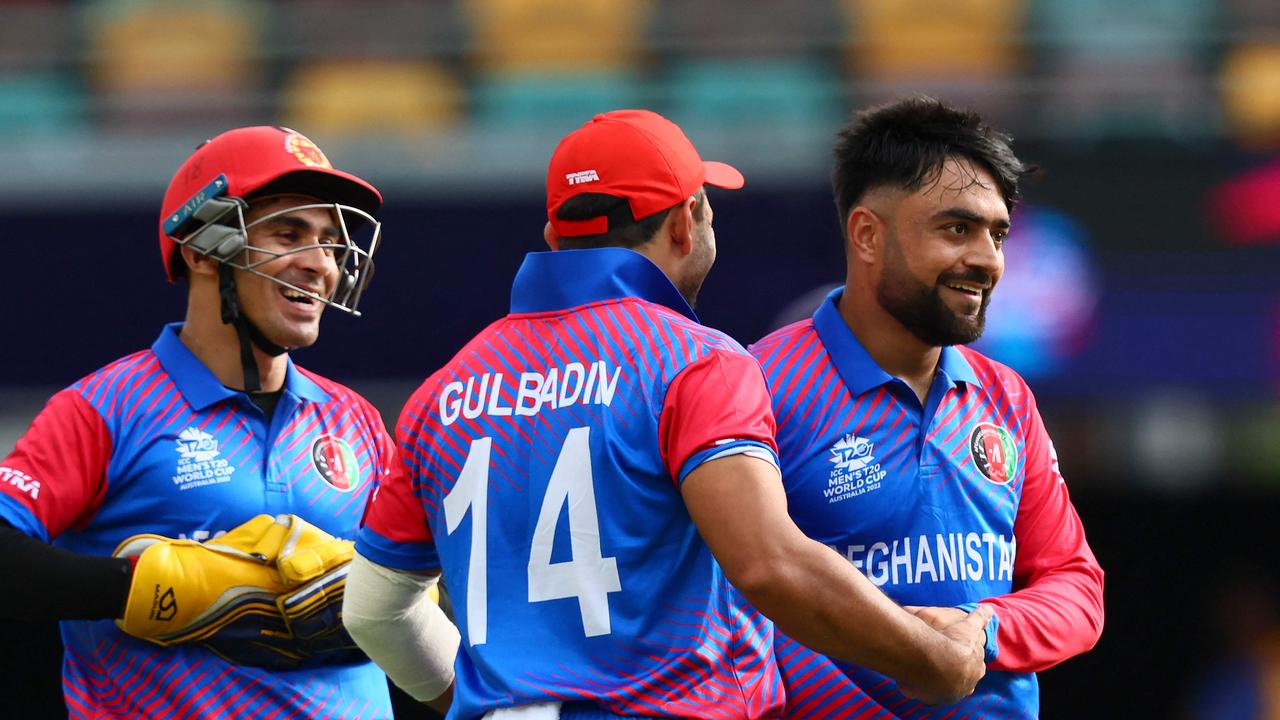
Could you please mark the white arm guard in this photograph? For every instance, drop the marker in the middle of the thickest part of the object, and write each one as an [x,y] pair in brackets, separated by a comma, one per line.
[391,618]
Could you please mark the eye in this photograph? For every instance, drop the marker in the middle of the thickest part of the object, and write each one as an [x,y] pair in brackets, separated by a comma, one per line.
[956,228]
[999,236]
[330,243]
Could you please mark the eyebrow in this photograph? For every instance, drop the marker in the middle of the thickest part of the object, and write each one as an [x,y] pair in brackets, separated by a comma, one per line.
[298,223]
[960,213]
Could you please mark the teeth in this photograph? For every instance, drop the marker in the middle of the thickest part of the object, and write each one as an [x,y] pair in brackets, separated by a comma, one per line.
[295,295]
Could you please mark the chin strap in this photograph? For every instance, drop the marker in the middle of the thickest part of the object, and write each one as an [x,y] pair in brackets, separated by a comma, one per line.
[248,333]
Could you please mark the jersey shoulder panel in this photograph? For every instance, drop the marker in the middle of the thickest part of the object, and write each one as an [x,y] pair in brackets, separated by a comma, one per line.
[670,340]
[988,369]
[1004,388]
[782,337]
[55,476]
[341,395]
[124,385]
[694,332]
[773,349]
[795,363]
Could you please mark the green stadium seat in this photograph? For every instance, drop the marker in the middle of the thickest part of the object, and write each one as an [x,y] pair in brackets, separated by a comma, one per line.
[553,100]
[40,105]
[1125,69]
[786,95]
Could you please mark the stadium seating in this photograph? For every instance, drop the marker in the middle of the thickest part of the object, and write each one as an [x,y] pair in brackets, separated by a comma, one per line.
[552,63]
[729,65]
[155,63]
[352,97]
[1125,68]
[1250,85]
[967,51]
[404,29]
[39,91]
[783,96]
[40,104]
[543,36]
[1249,78]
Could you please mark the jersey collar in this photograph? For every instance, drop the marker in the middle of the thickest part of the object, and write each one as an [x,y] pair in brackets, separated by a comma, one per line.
[302,386]
[549,281]
[201,388]
[855,365]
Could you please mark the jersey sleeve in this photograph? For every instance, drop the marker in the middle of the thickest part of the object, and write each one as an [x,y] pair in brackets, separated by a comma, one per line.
[716,406]
[56,476]
[394,531]
[1056,609]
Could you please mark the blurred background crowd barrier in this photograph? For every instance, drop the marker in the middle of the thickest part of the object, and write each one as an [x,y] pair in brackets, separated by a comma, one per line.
[1141,299]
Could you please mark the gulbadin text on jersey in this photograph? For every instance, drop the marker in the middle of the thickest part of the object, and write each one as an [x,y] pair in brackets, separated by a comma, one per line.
[500,395]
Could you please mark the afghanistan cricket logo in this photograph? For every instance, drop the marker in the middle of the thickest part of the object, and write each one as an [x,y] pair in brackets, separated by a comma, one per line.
[994,453]
[335,462]
[305,151]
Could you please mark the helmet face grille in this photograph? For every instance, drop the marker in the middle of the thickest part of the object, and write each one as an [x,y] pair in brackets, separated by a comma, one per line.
[216,228]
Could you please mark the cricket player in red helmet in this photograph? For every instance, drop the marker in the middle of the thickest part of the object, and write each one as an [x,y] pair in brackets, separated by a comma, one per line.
[179,510]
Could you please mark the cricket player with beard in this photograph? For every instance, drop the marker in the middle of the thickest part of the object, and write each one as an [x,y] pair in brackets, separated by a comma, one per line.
[925,464]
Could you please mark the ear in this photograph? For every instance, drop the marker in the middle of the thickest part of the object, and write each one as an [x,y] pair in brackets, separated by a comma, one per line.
[549,234]
[680,227]
[864,234]
[198,263]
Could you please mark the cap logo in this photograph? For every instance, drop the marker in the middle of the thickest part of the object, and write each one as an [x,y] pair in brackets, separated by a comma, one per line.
[583,176]
[305,151]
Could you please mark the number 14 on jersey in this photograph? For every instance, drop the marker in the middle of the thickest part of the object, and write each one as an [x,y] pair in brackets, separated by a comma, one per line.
[587,576]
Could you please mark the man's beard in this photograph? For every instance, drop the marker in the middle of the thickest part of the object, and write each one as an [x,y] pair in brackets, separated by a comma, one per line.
[922,310]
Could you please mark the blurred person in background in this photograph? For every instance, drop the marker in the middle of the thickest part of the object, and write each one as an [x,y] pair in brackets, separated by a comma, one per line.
[922,462]
[1244,682]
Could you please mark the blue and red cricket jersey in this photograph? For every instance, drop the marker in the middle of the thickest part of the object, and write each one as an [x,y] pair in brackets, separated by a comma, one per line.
[541,469]
[952,503]
[153,443]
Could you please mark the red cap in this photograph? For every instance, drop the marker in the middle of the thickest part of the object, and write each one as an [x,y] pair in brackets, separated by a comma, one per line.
[262,159]
[635,154]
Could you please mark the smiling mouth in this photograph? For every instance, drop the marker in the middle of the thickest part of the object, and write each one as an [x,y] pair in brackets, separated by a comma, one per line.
[970,289]
[295,296]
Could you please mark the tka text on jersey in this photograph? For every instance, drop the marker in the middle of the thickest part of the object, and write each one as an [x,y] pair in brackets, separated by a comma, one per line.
[500,395]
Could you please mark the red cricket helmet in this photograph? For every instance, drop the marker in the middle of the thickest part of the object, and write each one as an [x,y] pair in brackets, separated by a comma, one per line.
[261,160]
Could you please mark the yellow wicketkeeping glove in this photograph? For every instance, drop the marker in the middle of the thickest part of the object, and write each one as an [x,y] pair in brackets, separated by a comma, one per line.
[228,593]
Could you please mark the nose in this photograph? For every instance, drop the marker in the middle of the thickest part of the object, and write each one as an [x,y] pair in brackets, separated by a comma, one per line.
[983,252]
[316,255]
